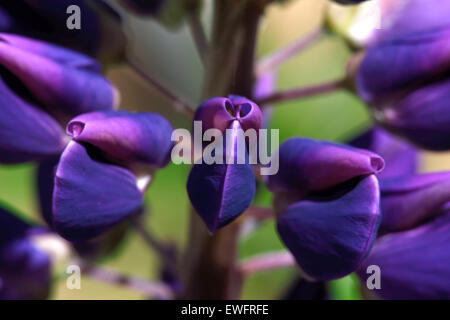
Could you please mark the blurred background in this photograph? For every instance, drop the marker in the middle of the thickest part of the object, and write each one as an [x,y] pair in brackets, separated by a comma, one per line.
[170,56]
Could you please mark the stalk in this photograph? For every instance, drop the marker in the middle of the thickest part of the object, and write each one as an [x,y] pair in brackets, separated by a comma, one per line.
[211,270]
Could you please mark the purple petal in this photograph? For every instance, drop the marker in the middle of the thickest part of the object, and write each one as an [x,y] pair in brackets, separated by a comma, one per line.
[221,192]
[330,238]
[91,196]
[129,137]
[24,271]
[390,68]
[407,201]
[414,263]
[422,116]
[219,113]
[45,181]
[309,165]
[63,88]
[26,132]
[400,157]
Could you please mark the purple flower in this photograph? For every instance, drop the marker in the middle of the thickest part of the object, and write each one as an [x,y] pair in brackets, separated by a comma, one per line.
[220,192]
[41,86]
[25,270]
[403,75]
[100,34]
[400,157]
[414,263]
[327,201]
[104,170]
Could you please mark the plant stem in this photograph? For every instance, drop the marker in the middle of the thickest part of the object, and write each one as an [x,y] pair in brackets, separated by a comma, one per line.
[259,213]
[273,60]
[265,262]
[178,103]
[211,260]
[198,35]
[155,245]
[303,92]
[148,288]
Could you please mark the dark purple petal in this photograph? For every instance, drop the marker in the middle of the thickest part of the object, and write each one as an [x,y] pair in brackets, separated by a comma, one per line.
[400,157]
[422,116]
[24,271]
[409,200]
[349,1]
[27,133]
[414,263]
[221,192]
[91,196]
[309,165]
[129,137]
[62,86]
[330,237]
[100,36]
[220,112]
[390,68]
[45,181]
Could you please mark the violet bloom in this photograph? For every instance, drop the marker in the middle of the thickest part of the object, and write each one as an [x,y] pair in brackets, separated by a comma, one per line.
[400,157]
[100,35]
[220,192]
[103,172]
[327,201]
[413,263]
[403,75]
[42,86]
[25,270]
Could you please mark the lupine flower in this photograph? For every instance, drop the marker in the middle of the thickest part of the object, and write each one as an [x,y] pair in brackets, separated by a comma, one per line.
[400,157]
[100,35]
[43,85]
[25,270]
[327,201]
[220,192]
[403,75]
[100,177]
[414,263]
[409,200]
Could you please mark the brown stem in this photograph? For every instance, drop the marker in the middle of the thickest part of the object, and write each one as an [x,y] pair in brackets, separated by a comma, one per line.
[178,103]
[276,58]
[211,260]
[303,92]
[265,262]
[198,34]
[148,288]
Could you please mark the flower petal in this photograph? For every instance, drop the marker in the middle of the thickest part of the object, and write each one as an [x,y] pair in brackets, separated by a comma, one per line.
[91,196]
[62,88]
[129,137]
[329,239]
[309,165]
[414,263]
[221,192]
[26,132]
[406,201]
[400,157]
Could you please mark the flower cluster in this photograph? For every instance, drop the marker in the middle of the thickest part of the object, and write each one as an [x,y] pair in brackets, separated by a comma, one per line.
[339,208]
